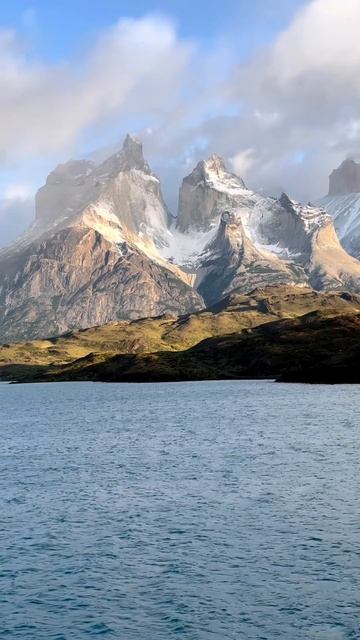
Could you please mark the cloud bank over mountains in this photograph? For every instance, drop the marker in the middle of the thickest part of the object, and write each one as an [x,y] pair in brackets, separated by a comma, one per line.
[284,117]
[135,68]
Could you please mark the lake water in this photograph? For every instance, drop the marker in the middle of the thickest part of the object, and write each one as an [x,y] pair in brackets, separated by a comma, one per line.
[214,511]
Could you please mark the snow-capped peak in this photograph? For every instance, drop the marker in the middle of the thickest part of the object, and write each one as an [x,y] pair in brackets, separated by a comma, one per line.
[215,164]
[312,216]
[214,174]
[206,192]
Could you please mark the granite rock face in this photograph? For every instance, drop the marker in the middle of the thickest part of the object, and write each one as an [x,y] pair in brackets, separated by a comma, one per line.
[122,188]
[232,262]
[206,193]
[77,278]
[91,256]
[345,179]
[343,203]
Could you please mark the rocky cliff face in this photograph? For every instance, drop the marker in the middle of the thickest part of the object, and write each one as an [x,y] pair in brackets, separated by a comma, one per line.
[232,261]
[91,255]
[345,179]
[122,190]
[206,193]
[343,203]
[77,278]
[102,247]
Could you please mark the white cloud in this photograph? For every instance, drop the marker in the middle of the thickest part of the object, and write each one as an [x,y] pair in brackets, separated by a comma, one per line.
[243,161]
[16,211]
[301,95]
[323,40]
[134,68]
[18,191]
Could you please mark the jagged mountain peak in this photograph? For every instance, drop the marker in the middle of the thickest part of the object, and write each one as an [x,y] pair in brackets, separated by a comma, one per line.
[230,233]
[234,260]
[286,202]
[216,174]
[343,203]
[131,141]
[345,179]
[71,171]
[312,216]
[130,157]
[206,192]
[214,164]
[121,196]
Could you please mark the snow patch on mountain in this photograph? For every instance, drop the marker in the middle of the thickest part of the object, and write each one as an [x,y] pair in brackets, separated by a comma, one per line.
[184,249]
[275,249]
[345,210]
[312,216]
[102,219]
[205,193]
[217,177]
[343,204]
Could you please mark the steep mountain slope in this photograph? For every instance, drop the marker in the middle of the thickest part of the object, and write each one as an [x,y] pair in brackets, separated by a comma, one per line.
[72,353]
[343,203]
[231,261]
[345,209]
[77,278]
[91,255]
[345,179]
[205,193]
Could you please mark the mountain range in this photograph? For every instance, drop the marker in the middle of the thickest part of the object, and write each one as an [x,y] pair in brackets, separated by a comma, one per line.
[104,246]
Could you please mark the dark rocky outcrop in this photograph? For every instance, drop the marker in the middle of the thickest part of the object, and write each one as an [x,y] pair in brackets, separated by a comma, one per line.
[343,204]
[345,179]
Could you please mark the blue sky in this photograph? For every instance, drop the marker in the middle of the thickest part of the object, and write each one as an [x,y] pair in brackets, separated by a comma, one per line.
[268,84]
[60,27]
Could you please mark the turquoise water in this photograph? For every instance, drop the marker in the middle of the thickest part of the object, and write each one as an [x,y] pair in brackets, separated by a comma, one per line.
[222,510]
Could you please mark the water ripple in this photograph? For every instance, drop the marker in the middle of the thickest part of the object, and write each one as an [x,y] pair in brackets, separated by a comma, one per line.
[205,511]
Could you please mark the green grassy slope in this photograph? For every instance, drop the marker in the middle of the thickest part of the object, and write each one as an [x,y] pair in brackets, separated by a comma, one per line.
[227,340]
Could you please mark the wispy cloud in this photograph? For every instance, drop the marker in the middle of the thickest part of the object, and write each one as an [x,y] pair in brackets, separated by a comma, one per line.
[133,68]
[16,211]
